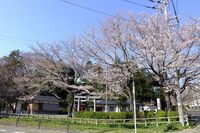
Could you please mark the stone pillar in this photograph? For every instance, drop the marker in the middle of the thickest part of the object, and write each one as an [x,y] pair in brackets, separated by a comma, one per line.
[94,105]
[78,106]
[158,104]
[19,107]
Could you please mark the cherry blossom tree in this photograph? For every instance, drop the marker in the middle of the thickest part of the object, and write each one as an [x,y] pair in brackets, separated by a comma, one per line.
[171,55]
[108,47]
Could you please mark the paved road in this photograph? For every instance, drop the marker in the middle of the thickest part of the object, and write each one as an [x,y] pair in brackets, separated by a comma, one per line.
[6,129]
[194,130]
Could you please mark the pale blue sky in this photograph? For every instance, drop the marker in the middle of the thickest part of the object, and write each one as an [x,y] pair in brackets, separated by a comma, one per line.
[54,20]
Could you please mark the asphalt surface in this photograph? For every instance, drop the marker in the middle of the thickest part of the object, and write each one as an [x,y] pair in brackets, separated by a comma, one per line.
[7,129]
[194,130]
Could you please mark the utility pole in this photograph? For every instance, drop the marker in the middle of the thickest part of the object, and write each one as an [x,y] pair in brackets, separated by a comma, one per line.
[134,108]
[106,106]
[172,24]
[171,17]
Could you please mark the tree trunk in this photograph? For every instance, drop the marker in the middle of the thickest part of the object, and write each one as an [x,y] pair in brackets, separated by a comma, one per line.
[71,106]
[179,100]
[173,101]
[168,101]
[180,107]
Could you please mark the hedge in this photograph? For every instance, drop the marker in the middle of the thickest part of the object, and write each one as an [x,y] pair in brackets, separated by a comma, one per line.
[150,114]
[161,113]
[103,115]
[123,115]
[172,113]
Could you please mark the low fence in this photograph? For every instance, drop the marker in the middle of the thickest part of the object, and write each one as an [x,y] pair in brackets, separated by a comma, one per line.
[140,121]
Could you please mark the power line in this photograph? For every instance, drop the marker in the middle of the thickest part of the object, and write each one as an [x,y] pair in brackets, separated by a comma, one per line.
[175,12]
[151,7]
[177,6]
[92,10]
[16,38]
[87,8]
[155,1]
[13,41]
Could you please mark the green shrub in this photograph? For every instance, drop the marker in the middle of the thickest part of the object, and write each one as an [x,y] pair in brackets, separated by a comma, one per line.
[161,113]
[170,127]
[78,114]
[150,114]
[86,114]
[63,111]
[103,115]
[120,115]
[145,113]
[172,113]
[100,115]
[141,114]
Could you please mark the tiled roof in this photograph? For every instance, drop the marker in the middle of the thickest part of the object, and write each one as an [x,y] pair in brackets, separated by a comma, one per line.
[45,98]
[40,98]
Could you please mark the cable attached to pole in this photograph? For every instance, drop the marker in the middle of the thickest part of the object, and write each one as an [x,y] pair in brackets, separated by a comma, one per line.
[151,7]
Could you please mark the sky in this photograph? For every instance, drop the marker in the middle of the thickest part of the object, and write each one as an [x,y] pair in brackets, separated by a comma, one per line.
[23,23]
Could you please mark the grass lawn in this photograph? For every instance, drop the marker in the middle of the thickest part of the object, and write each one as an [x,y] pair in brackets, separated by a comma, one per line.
[62,125]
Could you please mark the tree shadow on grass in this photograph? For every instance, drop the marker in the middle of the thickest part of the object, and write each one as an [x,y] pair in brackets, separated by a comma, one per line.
[104,131]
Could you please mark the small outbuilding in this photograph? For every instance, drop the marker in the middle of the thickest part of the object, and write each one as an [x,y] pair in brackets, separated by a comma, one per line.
[38,104]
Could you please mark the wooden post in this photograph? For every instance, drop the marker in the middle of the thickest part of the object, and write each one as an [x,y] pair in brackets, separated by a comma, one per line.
[156,121]
[124,121]
[187,120]
[96,121]
[105,122]
[17,121]
[39,124]
[169,121]
[145,122]
[67,124]
[80,121]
